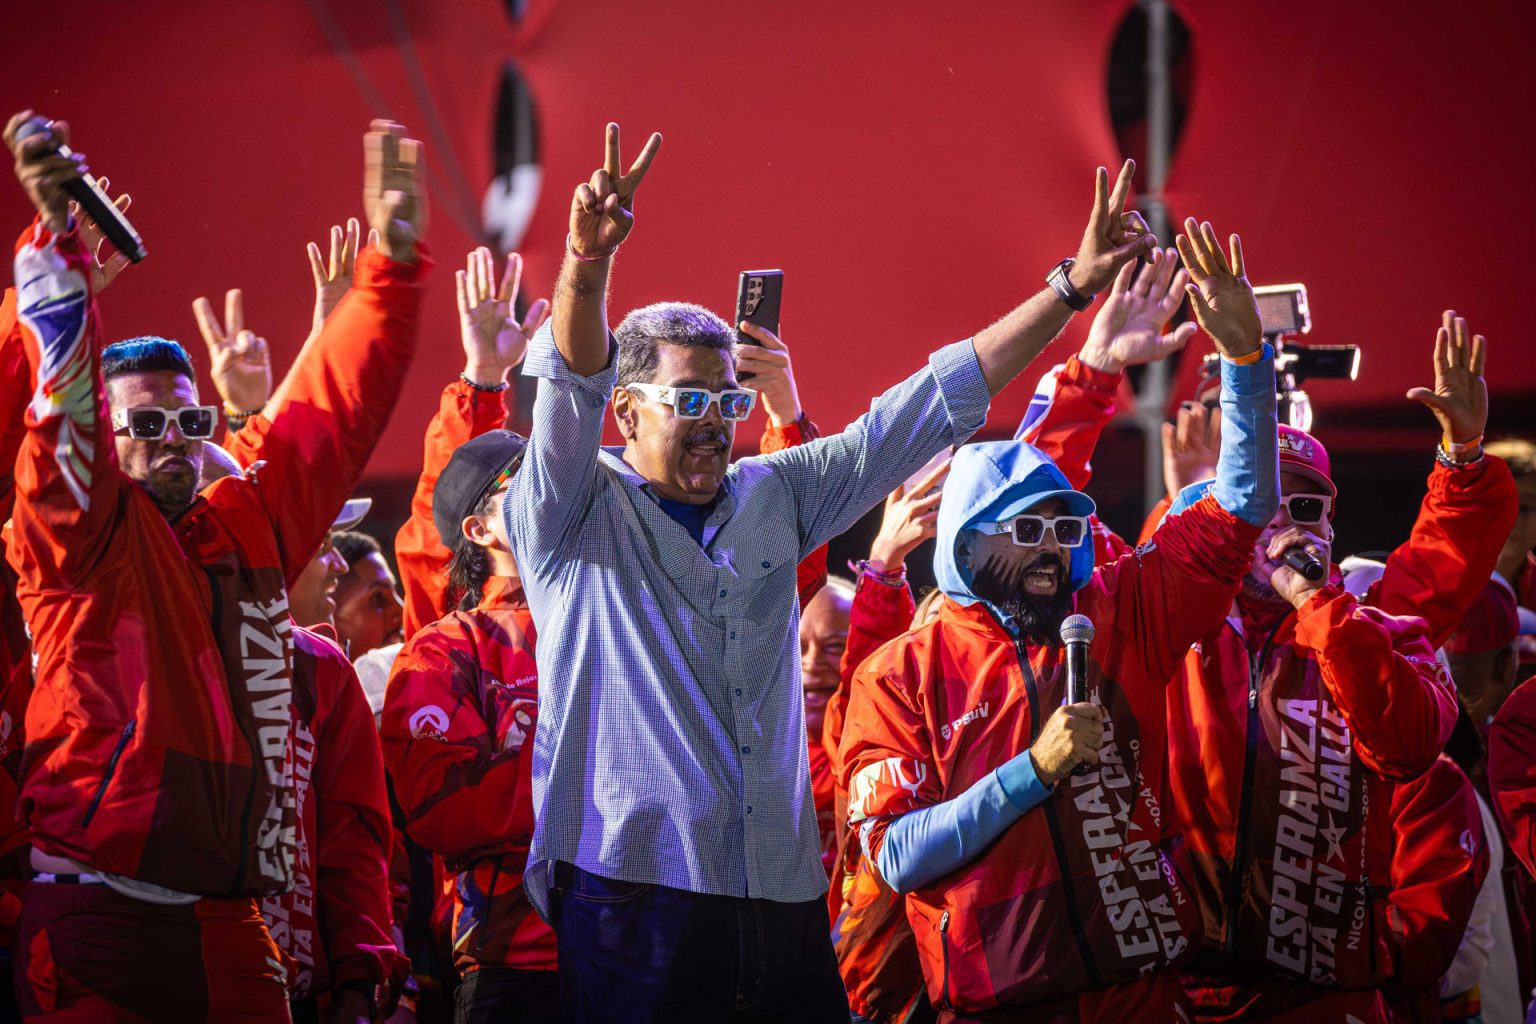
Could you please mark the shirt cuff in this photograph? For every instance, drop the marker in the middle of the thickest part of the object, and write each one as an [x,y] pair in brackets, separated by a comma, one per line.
[1091,378]
[1021,783]
[544,360]
[1249,359]
[962,388]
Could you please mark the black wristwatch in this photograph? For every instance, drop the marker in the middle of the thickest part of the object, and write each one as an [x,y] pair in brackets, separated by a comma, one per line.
[1062,286]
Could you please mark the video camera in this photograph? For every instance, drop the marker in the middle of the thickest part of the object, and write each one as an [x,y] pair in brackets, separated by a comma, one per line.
[1283,312]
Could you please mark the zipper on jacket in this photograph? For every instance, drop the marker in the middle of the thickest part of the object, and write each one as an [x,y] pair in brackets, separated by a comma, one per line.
[106,778]
[944,1002]
[1053,823]
[1245,802]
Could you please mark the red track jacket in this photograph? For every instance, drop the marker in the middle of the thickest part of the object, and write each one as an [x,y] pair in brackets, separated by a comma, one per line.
[1439,862]
[1085,892]
[1512,771]
[15,648]
[159,731]
[333,927]
[876,952]
[1338,699]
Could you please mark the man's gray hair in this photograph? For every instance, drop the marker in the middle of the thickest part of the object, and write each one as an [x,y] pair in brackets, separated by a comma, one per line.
[676,323]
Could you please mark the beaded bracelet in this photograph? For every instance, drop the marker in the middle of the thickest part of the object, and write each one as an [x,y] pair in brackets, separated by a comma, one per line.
[1451,460]
[890,577]
[236,419]
[491,388]
[571,248]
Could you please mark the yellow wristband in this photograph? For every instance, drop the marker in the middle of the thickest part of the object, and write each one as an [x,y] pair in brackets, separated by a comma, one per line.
[1249,359]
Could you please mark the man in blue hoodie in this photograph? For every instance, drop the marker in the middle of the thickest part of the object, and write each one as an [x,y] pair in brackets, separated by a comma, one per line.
[1031,887]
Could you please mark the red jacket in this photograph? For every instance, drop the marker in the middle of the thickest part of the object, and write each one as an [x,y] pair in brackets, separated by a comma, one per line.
[333,926]
[876,952]
[1085,892]
[1345,698]
[1439,862]
[458,721]
[15,648]
[159,730]
[1512,771]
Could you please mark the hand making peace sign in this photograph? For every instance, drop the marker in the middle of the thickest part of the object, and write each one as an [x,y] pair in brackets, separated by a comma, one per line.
[602,210]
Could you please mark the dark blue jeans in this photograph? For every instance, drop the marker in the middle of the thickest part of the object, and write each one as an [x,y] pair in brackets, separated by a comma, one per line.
[651,954]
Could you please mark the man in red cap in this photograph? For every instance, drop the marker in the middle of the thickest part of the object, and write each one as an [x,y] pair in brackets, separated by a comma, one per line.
[1290,723]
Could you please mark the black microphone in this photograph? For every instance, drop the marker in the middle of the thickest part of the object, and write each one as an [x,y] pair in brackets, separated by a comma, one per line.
[94,203]
[1297,558]
[1077,634]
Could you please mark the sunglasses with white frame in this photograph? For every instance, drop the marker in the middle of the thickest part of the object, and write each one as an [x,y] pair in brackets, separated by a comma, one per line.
[150,422]
[692,403]
[1028,529]
[1307,509]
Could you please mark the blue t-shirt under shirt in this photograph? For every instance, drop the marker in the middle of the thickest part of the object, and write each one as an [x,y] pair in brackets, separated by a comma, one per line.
[691,517]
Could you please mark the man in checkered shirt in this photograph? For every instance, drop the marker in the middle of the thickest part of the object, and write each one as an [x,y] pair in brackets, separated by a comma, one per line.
[676,851]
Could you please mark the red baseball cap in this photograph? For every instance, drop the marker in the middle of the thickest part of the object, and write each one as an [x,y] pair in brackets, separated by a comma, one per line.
[1490,623]
[1302,453]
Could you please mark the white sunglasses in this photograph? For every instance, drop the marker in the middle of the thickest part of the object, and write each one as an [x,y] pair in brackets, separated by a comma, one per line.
[150,422]
[1029,530]
[693,403]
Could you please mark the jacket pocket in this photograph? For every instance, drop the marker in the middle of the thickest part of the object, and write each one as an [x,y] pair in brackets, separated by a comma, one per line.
[106,778]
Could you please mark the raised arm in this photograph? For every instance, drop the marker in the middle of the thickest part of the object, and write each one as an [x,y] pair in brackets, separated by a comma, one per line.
[66,477]
[1471,503]
[574,358]
[494,342]
[1112,238]
[316,439]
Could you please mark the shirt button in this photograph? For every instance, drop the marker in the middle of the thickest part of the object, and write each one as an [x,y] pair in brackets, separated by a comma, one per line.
[746,750]
[733,634]
[738,691]
[722,593]
[766,565]
[749,808]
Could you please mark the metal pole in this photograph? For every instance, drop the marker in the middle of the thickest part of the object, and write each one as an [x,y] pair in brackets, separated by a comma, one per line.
[1152,399]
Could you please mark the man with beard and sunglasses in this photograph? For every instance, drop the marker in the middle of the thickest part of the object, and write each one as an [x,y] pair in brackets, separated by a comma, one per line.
[675,845]
[1037,892]
[159,772]
[1290,721]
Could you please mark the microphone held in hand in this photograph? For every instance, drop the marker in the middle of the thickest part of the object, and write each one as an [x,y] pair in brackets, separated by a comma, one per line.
[1077,634]
[1297,558]
[94,203]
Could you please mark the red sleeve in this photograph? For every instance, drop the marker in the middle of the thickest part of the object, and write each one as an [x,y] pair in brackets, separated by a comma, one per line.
[887,752]
[1512,771]
[1170,592]
[461,793]
[811,574]
[68,484]
[1079,402]
[1445,563]
[355,840]
[463,412]
[1439,862]
[1382,673]
[16,389]
[336,401]
[879,614]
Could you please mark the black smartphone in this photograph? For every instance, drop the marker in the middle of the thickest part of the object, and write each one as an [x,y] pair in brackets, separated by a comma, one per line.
[758,296]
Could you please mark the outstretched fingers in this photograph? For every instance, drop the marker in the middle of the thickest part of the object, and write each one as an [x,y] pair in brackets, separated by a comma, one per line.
[511,279]
[1479,354]
[234,312]
[1122,191]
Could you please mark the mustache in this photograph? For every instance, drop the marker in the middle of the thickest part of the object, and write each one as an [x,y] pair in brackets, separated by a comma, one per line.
[708,435]
[1007,575]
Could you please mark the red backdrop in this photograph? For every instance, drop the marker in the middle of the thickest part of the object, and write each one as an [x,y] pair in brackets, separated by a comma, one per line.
[914,168]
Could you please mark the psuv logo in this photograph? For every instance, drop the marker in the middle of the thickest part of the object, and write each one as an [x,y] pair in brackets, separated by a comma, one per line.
[429,723]
[948,730]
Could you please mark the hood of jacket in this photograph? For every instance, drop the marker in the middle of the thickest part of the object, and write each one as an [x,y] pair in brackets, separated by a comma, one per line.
[991,481]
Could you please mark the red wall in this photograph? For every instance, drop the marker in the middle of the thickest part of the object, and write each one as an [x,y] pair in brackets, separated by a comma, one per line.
[914,168]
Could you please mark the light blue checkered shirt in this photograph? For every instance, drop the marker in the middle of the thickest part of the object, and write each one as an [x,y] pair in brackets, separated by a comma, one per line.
[671,744]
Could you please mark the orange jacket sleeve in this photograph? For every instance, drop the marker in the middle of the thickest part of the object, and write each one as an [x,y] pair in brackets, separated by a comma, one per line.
[880,613]
[459,790]
[1447,559]
[334,406]
[1382,673]
[68,484]
[355,840]
[463,413]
